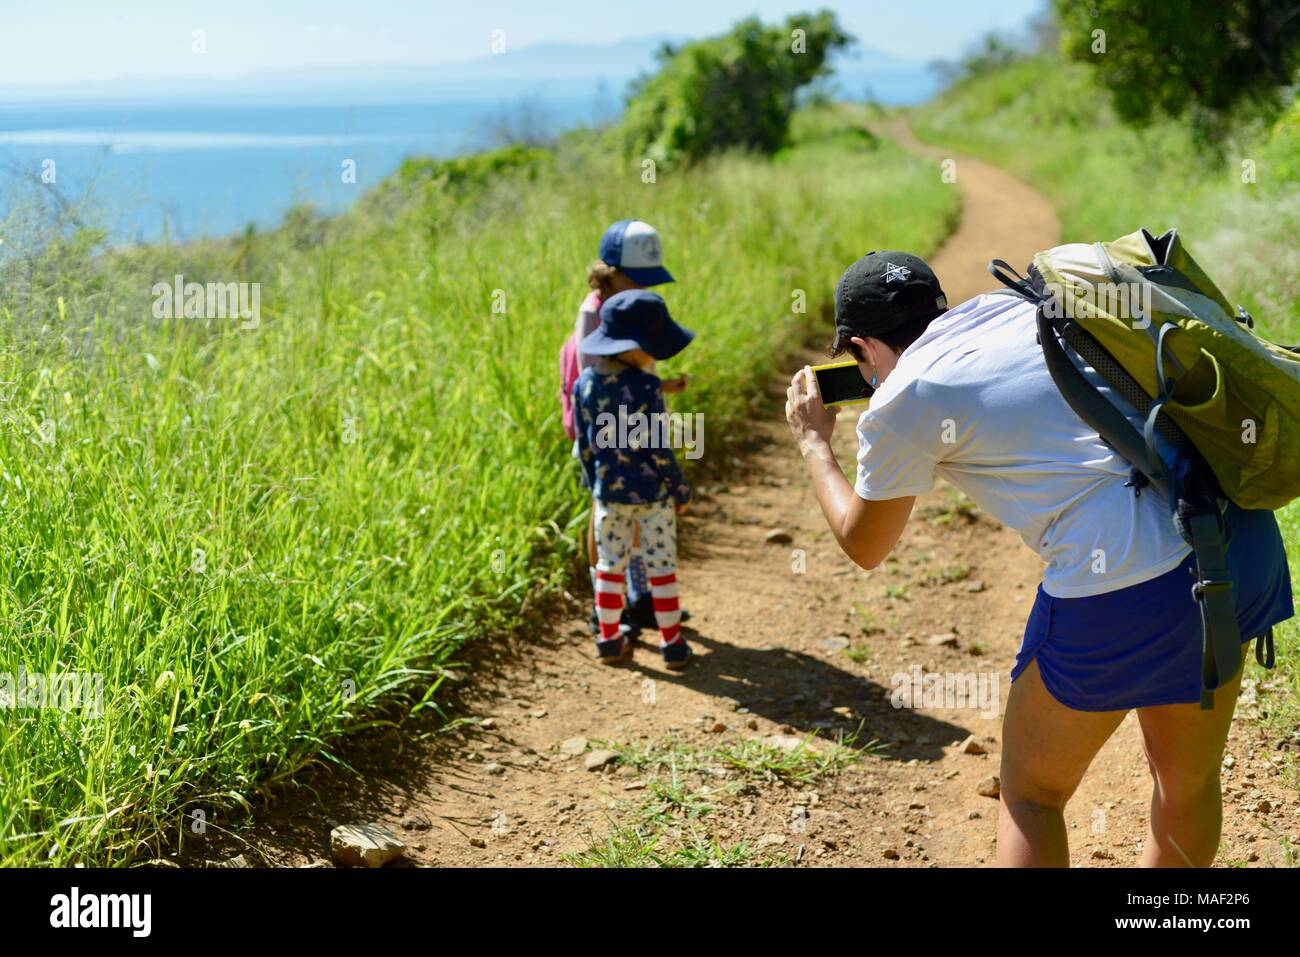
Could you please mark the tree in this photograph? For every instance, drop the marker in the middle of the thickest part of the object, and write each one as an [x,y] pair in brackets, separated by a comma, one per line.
[737,90]
[1208,59]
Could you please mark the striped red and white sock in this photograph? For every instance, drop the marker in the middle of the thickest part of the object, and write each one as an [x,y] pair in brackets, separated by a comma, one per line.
[668,613]
[609,603]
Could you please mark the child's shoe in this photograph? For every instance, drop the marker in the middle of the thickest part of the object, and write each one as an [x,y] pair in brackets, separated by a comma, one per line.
[676,655]
[615,651]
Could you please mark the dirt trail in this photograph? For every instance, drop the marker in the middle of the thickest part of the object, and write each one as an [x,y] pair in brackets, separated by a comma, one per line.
[781,650]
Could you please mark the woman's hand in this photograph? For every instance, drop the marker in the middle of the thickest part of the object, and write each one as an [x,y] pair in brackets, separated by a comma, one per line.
[675,385]
[809,420]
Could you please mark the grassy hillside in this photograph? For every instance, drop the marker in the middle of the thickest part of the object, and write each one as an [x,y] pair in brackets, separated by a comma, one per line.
[1048,122]
[259,536]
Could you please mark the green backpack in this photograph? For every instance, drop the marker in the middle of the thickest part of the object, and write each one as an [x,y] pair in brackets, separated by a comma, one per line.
[1146,317]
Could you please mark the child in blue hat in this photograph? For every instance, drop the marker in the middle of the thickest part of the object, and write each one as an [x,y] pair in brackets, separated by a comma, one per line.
[629,465]
[631,257]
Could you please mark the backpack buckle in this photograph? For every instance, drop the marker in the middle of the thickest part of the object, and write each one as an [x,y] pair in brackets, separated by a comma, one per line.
[1137,481]
[1209,585]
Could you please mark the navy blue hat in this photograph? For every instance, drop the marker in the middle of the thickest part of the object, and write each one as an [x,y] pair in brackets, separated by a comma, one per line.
[636,319]
[634,248]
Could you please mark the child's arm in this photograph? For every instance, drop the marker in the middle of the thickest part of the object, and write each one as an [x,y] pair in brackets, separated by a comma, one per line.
[581,447]
[586,323]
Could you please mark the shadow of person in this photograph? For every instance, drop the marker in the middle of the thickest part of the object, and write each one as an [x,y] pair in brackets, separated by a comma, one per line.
[810,695]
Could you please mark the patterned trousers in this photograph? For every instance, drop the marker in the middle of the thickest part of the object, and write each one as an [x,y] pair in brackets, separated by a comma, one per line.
[615,523]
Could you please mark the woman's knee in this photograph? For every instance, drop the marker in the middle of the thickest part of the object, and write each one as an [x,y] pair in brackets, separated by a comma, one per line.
[1022,783]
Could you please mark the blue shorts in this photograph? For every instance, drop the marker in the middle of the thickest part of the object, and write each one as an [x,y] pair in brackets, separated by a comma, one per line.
[1140,646]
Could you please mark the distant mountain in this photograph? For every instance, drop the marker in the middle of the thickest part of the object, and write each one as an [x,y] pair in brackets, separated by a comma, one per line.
[543,71]
[560,68]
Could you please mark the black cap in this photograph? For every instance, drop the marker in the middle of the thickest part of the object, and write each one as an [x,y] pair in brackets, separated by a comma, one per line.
[885,290]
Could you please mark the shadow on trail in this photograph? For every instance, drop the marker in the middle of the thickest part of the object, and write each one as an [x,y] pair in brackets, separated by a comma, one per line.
[792,688]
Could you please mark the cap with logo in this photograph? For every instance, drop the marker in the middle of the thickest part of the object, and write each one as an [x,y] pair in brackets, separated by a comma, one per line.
[885,290]
[634,248]
[636,319]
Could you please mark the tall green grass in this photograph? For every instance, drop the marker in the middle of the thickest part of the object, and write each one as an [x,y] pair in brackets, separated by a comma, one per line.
[258,537]
[1048,122]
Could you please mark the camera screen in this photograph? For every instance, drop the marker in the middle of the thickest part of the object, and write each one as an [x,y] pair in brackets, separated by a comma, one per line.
[842,384]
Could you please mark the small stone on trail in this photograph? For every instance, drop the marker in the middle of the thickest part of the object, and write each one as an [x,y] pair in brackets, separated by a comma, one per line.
[835,643]
[942,641]
[573,746]
[778,536]
[971,746]
[598,759]
[477,842]
[788,742]
[716,727]
[771,840]
[368,845]
[414,823]
[488,723]
[752,724]
[538,713]
[890,854]
[494,768]
[990,787]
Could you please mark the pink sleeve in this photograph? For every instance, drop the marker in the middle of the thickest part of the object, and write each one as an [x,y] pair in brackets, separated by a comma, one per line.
[587,321]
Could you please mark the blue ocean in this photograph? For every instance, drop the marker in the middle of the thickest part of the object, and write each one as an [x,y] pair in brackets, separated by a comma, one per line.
[144,170]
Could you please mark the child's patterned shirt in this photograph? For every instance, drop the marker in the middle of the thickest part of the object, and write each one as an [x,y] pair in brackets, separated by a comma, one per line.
[624,437]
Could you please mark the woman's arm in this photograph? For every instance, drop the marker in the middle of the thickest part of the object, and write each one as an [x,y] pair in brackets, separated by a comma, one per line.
[866,529]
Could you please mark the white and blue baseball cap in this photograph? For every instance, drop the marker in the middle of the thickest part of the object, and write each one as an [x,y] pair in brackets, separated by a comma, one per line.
[634,248]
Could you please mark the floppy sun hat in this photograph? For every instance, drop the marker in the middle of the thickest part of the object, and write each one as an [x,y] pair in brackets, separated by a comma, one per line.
[636,319]
[634,248]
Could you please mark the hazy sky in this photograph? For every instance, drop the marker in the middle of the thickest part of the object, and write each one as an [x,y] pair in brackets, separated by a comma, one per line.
[68,40]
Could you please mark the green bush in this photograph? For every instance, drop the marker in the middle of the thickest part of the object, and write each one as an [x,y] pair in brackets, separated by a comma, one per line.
[1209,62]
[734,91]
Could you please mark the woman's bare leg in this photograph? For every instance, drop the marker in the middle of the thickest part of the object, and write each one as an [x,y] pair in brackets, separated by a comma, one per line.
[1046,748]
[1184,747]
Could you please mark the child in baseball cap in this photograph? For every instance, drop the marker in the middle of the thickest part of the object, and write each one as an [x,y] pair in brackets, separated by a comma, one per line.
[631,470]
[631,257]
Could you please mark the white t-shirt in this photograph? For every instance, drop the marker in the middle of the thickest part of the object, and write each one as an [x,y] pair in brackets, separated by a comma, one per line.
[972,401]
